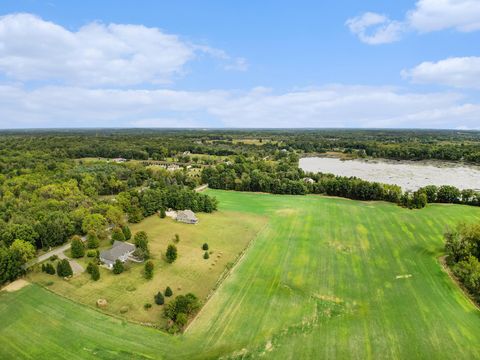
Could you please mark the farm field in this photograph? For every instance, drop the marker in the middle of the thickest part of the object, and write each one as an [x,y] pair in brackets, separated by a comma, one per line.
[325,278]
[226,232]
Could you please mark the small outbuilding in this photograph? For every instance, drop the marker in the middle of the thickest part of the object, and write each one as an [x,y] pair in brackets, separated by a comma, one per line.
[187,217]
[119,251]
[308,180]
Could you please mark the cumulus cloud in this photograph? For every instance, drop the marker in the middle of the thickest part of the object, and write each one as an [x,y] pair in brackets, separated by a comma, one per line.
[460,72]
[426,16]
[374,29]
[95,55]
[330,106]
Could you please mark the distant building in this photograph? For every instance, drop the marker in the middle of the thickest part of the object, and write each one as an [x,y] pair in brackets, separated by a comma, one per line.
[119,160]
[308,180]
[119,251]
[187,217]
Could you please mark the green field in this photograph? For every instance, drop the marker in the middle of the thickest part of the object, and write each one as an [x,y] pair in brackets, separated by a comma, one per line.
[226,232]
[326,278]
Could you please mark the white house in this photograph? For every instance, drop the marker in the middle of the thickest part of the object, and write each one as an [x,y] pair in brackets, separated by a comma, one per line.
[187,216]
[119,251]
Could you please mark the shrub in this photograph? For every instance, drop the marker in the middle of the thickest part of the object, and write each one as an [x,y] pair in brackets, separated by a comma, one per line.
[77,247]
[168,292]
[176,239]
[147,306]
[126,232]
[159,299]
[50,269]
[206,256]
[181,319]
[92,240]
[117,235]
[89,268]
[91,253]
[171,253]
[53,258]
[64,269]
[148,271]
[205,247]
[118,267]
[43,268]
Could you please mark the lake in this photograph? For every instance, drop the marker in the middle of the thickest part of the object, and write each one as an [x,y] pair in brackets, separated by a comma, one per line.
[410,175]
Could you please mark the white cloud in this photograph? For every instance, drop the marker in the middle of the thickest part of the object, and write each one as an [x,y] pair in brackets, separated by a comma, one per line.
[95,55]
[331,106]
[460,72]
[374,29]
[434,15]
[427,16]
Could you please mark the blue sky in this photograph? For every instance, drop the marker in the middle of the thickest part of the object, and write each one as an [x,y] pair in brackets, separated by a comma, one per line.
[240,64]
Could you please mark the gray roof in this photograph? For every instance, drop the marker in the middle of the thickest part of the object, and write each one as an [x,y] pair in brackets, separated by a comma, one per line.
[118,249]
[186,215]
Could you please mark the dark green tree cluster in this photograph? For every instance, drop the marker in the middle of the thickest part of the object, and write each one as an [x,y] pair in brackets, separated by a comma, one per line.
[64,269]
[94,270]
[462,246]
[141,242]
[180,309]
[48,268]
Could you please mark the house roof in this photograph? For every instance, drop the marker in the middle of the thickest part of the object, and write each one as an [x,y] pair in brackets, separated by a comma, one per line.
[186,215]
[118,249]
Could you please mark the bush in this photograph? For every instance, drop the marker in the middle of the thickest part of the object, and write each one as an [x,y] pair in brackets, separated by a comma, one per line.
[159,299]
[64,269]
[147,306]
[182,319]
[205,247]
[43,268]
[91,253]
[77,247]
[176,239]
[53,258]
[148,271]
[162,213]
[206,256]
[168,292]
[117,235]
[118,267]
[92,240]
[171,253]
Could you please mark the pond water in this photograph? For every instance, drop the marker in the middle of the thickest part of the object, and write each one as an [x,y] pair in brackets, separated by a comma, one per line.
[410,175]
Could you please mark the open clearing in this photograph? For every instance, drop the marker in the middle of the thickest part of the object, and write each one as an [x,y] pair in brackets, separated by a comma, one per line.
[320,281]
[227,234]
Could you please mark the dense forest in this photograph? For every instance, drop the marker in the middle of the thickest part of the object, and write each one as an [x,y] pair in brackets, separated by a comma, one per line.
[55,184]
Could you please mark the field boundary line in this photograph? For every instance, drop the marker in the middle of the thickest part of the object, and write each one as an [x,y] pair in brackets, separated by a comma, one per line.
[463,289]
[225,275]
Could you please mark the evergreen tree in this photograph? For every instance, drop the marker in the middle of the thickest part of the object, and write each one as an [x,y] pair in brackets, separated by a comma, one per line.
[117,235]
[126,232]
[205,247]
[171,253]
[162,213]
[159,299]
[92,240]
[168,292]
[148,271]
[49,269]
[77,247]
[206,255]
[95,272]
[118,267]
[64,269]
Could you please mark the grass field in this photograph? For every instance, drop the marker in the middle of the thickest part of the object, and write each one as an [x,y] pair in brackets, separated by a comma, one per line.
[227,234]
[326,278]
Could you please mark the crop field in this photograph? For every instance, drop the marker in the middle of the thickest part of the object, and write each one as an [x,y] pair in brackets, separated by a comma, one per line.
[325,278]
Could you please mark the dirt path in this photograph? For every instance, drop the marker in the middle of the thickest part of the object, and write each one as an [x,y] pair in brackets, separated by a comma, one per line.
[16,285]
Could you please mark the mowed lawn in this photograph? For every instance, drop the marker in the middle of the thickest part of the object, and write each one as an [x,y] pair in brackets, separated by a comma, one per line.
[326,278]
[226,232]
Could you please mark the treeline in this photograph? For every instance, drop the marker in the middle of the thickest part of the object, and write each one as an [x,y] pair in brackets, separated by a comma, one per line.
[140,204]
[462,246]
[284,177]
